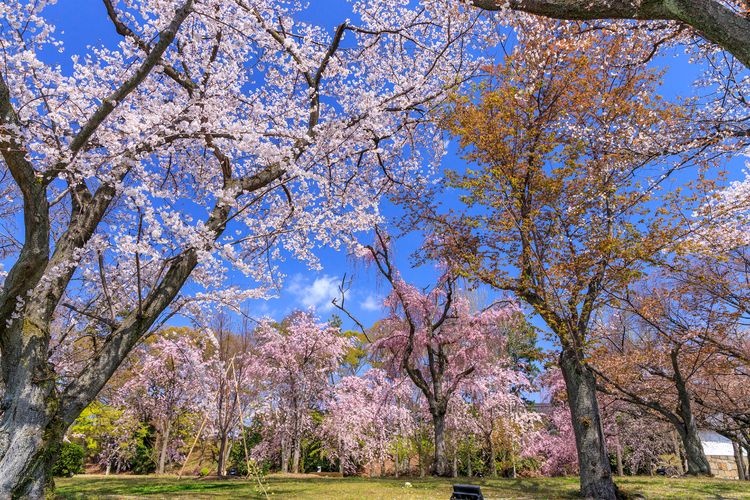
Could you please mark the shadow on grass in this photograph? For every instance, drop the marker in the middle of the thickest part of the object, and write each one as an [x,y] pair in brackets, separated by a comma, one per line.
[111,487]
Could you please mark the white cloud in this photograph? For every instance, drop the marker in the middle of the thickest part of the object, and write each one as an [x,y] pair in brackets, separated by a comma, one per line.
[317,294]
[372,303]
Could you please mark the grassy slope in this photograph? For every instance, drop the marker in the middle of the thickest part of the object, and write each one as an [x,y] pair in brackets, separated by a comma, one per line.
[359,488]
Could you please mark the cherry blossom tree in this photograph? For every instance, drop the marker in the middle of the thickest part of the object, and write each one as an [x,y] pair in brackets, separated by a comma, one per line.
[554,443]
[293,362]
[435,338]
[212,136]
[712,265]
[640,442]
[365,415]
[497,407]
[170,382]
[230,377]
[722,400]
[653,358]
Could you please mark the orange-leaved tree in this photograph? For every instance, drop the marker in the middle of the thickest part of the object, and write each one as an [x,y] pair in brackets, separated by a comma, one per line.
[567,144]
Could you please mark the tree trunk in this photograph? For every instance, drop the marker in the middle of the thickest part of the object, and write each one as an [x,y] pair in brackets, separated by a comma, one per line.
[396,464]
[493,458]
[697,463]
[30,442]
[164,447]
[618,451]
[469,472]
[221,469]
[593,461]
[296,455]
[678,451]
[341,459]
[618,458]
[440,465]
[31,429]
[741,475]
[285,454]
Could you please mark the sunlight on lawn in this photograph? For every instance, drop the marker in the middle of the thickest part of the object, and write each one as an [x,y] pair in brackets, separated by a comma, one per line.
[279,486]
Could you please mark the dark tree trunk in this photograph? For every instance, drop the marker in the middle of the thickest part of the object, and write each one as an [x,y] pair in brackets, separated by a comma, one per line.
[440,464]
[33,415]
[469,472]
[741,474]
[593,461]
[296,434]
[697,463]
[678,451]
[223,417]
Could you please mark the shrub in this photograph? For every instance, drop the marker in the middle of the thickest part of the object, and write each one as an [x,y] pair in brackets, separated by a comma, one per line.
[142,461]
[70,460]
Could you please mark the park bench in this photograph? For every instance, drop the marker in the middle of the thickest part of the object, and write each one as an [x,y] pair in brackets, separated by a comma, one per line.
[466,492]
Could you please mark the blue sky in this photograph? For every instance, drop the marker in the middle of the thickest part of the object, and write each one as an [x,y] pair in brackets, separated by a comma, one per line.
[84,23]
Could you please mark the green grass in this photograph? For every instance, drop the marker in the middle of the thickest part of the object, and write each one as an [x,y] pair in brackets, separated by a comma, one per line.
[119,487]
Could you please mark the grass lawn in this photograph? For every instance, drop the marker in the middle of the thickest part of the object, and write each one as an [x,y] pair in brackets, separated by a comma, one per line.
[278,486]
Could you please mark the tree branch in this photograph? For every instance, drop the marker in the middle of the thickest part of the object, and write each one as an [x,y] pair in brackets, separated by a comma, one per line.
[712,19]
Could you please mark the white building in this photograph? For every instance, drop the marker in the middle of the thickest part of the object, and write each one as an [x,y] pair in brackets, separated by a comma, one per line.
[720,454]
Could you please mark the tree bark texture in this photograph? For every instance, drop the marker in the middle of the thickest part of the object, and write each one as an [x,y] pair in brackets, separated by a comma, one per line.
[593,461]
[678,451]
[31,429]
[740,461]
[697,463]
[440,464]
